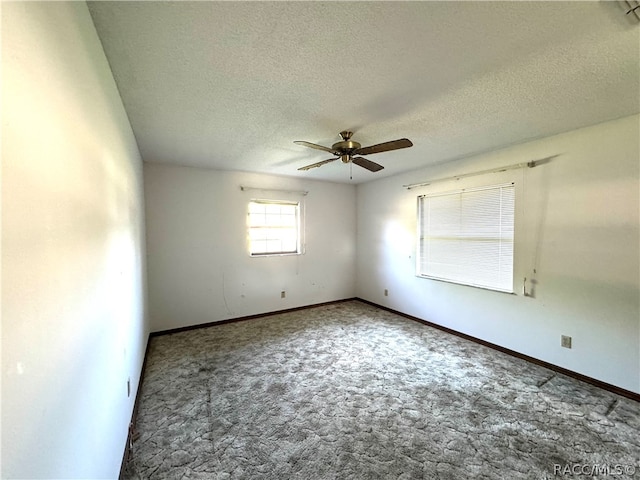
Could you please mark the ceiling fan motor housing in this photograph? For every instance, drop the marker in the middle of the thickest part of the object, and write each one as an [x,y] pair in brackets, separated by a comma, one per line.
[346,147]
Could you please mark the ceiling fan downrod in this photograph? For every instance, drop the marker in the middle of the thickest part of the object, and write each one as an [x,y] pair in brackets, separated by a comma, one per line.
[346,135]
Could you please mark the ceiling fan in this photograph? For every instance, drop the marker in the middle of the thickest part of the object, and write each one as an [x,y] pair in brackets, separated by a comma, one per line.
[347,149]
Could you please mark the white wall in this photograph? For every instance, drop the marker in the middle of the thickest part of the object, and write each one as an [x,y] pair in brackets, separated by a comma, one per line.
[199,268]
[577,226]
[73,328]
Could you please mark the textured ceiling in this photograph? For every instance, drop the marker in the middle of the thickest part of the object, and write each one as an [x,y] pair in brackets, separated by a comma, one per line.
[230,85]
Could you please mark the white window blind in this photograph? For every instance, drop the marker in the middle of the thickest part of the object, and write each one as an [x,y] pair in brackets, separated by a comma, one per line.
[467,237]
[274,227]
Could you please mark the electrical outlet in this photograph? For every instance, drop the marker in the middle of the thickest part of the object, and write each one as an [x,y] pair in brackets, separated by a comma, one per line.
[386,292]
[283,294]
[565,341]
[128,387]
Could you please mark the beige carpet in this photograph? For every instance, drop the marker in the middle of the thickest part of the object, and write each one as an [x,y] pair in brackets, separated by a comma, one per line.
[349,391]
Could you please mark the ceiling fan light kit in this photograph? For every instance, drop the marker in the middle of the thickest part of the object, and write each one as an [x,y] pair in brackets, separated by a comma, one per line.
[347,151]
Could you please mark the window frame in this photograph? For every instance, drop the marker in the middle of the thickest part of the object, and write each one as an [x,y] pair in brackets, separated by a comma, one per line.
[422,234]
[298,228]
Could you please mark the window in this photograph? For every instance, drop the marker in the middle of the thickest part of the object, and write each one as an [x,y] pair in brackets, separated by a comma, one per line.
[467,237]
[274,227]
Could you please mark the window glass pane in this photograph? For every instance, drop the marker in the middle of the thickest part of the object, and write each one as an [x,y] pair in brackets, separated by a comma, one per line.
[288,245]
[273,227]
[255,234]
[272,208]
[274,245]
[255,207]
[259,246]
[272,219]
[288,221]
[288,209]
[258,220]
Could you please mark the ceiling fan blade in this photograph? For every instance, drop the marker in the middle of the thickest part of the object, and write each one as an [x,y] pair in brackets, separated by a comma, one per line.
[318,164]
[384,147]
[368,164]
[317,147]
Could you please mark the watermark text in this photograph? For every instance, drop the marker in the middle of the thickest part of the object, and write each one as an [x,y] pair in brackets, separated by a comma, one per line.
[593,469]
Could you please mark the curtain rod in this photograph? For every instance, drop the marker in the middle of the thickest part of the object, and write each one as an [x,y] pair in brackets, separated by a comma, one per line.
[530,164]
[244,188]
